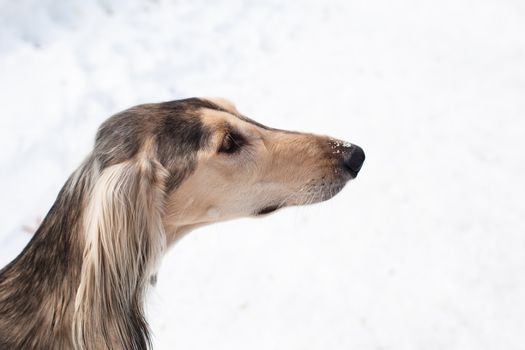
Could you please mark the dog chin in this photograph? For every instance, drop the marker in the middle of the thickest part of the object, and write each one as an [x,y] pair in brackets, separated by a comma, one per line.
[323,192]
[267,210]
[316,193]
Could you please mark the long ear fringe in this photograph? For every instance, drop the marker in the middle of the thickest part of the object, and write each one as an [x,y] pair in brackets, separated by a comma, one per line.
[124,240]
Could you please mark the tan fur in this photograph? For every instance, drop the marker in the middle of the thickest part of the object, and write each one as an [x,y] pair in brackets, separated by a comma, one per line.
[280,168]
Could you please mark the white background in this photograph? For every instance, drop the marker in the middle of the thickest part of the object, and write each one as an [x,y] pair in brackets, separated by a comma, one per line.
[425,250]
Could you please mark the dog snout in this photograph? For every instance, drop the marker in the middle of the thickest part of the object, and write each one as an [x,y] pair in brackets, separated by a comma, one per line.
[353,159]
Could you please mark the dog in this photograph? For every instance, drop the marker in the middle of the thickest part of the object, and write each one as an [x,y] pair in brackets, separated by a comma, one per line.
[157,171]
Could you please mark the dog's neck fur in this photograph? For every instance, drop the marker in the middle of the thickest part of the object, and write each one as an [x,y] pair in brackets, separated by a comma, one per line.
[52,298]
[37,289]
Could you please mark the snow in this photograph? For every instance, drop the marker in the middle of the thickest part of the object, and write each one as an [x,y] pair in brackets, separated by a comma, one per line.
[424,250]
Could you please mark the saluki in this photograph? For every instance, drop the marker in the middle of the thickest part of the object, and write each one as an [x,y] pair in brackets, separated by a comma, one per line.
[157,171]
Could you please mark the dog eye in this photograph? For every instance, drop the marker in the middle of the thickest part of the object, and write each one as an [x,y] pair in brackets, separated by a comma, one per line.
[231,143]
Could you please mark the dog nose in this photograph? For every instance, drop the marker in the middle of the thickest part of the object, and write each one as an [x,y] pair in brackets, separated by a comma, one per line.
[353,159]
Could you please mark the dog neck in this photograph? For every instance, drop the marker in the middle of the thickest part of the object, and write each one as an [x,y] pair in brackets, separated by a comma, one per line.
[55,296]
[38,288]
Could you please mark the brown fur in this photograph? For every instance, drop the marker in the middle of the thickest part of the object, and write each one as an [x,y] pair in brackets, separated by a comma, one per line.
[156,172]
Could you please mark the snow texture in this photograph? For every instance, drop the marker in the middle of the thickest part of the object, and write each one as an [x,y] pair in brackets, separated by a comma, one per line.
[425,250]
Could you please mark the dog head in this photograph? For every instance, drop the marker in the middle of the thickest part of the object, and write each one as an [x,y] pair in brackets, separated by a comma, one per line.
[218,164]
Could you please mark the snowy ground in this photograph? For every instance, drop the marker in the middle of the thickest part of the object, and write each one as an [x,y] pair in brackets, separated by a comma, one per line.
[425,250]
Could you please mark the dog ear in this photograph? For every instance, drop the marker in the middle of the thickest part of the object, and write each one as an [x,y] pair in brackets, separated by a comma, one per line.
[124,239]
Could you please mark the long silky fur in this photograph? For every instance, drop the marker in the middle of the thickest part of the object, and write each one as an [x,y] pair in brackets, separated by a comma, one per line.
[123,239]
[37,288]
[124,242]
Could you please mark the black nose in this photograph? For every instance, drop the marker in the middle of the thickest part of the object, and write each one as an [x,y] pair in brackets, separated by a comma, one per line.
[353,159]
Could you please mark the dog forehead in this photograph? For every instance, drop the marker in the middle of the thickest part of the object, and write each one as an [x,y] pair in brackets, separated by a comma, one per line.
[220,120]
[224,103]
